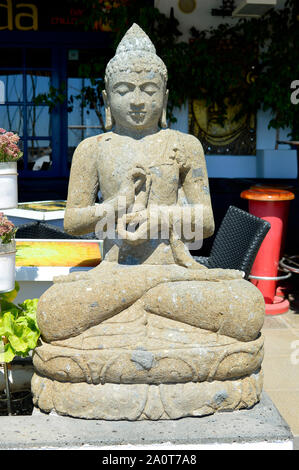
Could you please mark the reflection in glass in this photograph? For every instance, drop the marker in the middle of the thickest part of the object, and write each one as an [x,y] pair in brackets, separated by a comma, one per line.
[11,118]
[21,161]
[39,155]
[83,122]
[38,121]
[13,85]
[37,82]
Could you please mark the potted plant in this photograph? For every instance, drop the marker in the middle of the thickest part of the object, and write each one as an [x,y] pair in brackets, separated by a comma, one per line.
[19,333]
[7,254]
[9,155]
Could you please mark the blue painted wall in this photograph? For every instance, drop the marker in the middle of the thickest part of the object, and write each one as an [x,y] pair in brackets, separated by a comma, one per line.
[267,163]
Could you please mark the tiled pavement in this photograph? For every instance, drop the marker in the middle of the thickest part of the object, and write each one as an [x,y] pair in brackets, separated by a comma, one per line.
[281,366]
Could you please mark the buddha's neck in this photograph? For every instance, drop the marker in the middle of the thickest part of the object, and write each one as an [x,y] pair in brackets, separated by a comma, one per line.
[135,133]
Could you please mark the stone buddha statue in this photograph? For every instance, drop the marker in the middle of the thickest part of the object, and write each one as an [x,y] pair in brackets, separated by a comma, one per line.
[149,333]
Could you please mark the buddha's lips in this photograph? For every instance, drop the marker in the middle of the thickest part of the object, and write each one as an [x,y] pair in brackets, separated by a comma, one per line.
[137,115]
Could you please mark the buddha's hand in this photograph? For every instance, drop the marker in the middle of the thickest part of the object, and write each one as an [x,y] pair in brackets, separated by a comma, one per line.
[136,227]
[132,184]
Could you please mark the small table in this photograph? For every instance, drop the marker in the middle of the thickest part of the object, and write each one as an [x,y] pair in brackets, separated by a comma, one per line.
[51,212]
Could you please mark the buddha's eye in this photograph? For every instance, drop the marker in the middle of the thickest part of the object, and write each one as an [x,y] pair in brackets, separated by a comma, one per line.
[122,90]
[150,92]
[149,89]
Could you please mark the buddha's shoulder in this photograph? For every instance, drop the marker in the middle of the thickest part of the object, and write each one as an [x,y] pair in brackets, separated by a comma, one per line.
[91,146]
[182,138]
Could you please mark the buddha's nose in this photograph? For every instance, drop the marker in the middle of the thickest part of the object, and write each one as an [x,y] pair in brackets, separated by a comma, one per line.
[137,102]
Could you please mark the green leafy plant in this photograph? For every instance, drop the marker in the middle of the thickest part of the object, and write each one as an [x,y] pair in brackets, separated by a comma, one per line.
[18,327]
[279,63]
[53,97]
[212,65]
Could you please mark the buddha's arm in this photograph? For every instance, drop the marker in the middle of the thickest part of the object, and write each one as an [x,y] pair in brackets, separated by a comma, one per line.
[80,214]
[195,182]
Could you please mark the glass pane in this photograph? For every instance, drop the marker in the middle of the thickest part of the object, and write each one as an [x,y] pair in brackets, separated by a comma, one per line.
[37,57]
[11,57]
[82,122]
[38,121]
[11,118]
[12,83]
[37,82]
[39,155]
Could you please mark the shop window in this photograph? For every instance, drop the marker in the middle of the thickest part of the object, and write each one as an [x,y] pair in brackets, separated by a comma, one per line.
[37,82]
[39,155]
[38,121]
[11,118]
[13,85]
[26,73]
[86,111]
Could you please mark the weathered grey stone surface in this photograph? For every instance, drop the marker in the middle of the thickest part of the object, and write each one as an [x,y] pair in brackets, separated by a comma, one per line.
[153,353]
[138,401]
[149,333]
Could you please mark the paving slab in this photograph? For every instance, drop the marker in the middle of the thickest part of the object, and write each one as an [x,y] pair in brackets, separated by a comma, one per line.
[261,427]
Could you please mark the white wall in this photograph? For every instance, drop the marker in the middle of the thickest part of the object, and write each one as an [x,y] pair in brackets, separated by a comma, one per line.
[201,16]
[267,163]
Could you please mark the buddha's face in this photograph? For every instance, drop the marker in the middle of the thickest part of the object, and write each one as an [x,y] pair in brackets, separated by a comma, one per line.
[136,100]
[207,119]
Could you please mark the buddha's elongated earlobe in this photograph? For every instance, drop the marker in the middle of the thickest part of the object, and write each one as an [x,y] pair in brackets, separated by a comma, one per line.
[163,119]
[108,114]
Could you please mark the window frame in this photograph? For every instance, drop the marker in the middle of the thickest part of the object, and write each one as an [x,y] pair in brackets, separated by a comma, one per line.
[56,117]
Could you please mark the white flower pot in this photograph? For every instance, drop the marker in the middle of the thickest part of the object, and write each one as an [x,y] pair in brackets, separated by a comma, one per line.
[7,266]
[8,185]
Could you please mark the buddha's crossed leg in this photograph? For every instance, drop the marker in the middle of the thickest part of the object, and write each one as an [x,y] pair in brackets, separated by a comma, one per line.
[215,299]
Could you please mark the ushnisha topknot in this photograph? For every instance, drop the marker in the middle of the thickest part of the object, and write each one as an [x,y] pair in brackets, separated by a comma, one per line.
[137,53]
[134,40]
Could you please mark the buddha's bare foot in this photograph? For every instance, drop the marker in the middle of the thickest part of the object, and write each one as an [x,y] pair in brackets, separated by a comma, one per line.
[219,274]
[76,276]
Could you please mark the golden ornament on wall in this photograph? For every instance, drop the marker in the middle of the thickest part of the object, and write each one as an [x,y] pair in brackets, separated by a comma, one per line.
[187,6]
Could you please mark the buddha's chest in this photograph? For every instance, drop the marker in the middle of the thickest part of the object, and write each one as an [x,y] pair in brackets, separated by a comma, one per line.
[118,159]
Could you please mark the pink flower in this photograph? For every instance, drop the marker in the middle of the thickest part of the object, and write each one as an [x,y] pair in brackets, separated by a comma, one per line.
[9,151]
[7,229]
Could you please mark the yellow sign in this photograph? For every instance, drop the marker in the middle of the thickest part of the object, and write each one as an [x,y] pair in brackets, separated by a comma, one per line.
[12,17]
[57,253]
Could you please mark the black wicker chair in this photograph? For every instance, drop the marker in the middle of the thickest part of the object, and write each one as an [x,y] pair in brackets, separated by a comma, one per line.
[237,241]
[41,230]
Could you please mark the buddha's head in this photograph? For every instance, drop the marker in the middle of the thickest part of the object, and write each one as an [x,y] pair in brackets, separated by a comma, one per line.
[135,93]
